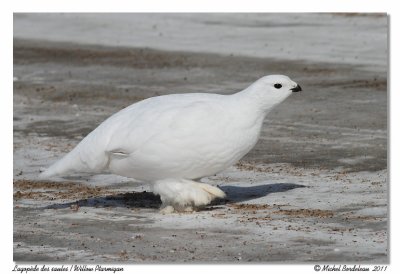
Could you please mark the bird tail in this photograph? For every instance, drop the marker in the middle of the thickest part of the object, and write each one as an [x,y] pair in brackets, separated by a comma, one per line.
[69,163]
[88,156]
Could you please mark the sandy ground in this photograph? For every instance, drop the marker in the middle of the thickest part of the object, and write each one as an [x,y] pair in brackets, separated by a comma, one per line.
[313,189]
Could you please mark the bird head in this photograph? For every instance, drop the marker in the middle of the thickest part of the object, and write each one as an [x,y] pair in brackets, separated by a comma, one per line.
[273,89]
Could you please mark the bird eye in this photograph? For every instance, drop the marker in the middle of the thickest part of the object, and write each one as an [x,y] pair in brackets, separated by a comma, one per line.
[278,86]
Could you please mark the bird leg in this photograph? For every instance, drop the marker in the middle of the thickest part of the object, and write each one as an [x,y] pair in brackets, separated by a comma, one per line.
[184,195]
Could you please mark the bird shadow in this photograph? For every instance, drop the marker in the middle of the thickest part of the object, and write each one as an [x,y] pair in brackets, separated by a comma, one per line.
[150,200]
[236,194]
[128,200]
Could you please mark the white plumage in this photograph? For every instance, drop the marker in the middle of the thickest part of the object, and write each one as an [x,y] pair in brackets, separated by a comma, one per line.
[172,140]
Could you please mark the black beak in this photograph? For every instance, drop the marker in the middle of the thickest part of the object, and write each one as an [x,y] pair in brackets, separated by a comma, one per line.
[296,89]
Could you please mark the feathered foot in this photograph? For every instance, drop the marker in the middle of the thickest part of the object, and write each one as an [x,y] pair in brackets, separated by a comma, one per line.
[183,195]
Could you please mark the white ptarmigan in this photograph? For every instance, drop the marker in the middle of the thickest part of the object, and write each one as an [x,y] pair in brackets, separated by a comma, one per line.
[172,140]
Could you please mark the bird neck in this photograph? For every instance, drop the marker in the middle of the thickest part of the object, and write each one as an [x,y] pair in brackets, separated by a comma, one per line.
[257,101]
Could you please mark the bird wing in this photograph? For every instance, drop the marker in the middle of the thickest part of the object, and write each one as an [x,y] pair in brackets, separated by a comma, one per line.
[178,123]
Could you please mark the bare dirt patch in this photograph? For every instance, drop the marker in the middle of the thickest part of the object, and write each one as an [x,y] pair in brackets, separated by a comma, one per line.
[300,213]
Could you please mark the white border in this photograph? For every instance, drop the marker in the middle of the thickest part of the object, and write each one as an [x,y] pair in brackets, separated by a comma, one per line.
[202,6]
